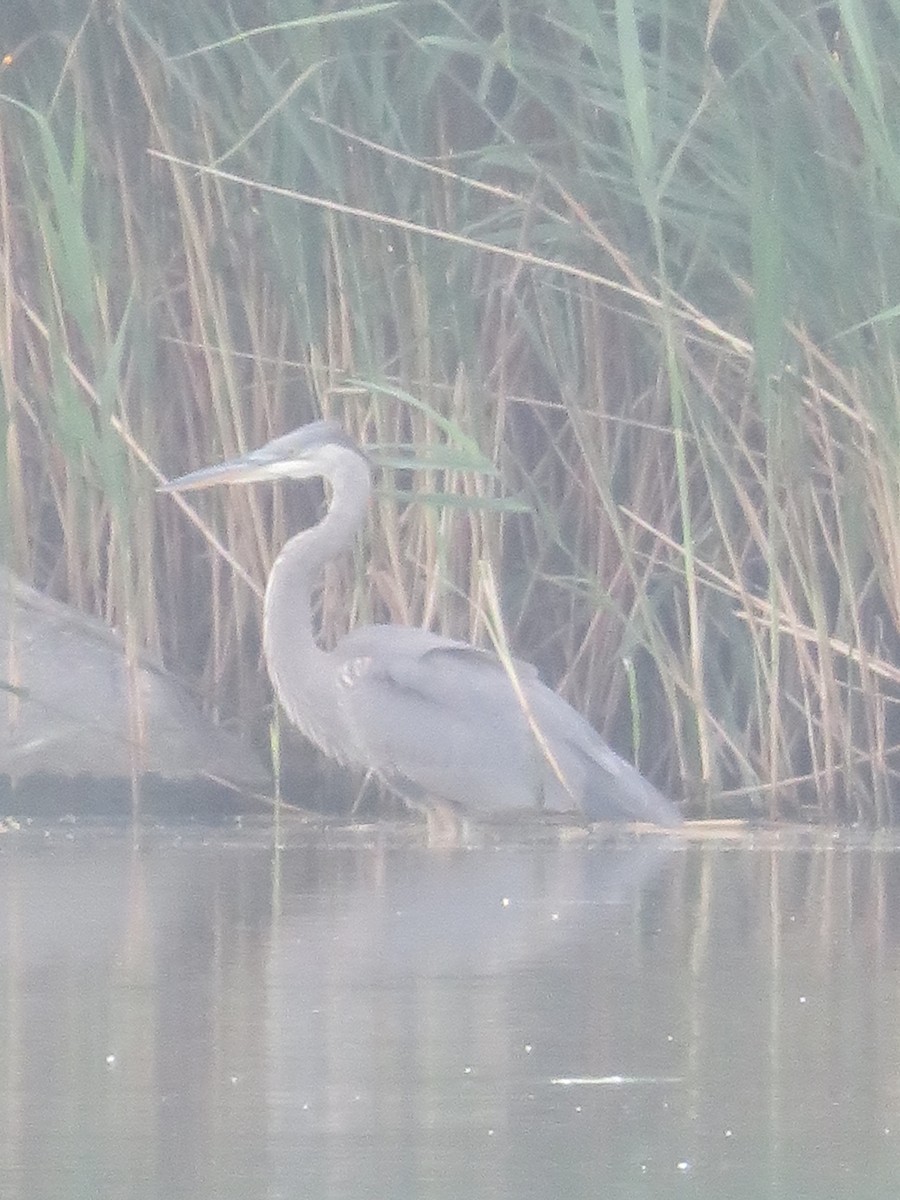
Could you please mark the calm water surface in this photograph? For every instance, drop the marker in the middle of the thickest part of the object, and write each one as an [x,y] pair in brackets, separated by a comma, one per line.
[191,1013]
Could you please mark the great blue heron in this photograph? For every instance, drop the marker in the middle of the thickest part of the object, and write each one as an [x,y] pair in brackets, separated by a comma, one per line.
[440,720]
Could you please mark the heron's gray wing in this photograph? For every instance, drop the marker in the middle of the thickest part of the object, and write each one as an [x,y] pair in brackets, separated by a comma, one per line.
[607,785]
[446,716]
[441,715]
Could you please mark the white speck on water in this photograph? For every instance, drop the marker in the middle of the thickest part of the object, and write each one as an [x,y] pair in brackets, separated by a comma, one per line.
[612,1080]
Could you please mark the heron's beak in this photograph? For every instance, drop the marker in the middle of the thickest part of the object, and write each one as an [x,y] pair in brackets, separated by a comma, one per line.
[248,468]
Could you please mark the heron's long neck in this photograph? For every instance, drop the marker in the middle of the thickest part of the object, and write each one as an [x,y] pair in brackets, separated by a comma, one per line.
[296,663]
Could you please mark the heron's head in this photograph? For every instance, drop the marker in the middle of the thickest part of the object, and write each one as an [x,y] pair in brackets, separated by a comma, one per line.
[317,449]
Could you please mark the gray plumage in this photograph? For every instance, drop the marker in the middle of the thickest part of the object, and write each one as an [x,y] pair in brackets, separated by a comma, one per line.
[438,719]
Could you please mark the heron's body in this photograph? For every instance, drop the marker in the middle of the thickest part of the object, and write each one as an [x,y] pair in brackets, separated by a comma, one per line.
[438,719]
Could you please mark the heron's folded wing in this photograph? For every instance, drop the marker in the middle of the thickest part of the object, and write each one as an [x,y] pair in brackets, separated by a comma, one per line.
[444,717]
[609,787]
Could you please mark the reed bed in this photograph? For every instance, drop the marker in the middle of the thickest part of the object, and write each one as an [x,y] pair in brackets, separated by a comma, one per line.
[640,259]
